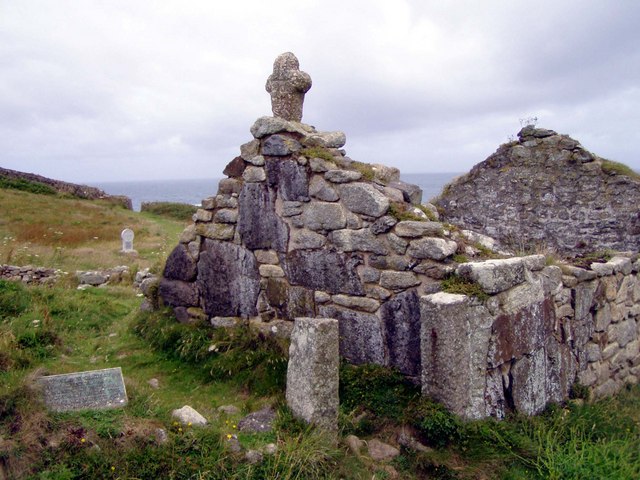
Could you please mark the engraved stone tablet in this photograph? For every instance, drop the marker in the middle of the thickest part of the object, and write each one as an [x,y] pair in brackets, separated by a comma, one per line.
[97,389]
[127,240]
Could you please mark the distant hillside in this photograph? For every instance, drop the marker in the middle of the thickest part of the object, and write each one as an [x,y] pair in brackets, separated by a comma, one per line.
[80,191]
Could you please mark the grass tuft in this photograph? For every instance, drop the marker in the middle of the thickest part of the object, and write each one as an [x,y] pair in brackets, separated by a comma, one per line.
[317,152]
[457,284]
[616,168]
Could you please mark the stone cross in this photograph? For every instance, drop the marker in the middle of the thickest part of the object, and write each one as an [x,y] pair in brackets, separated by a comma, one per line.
[287,86]
[127,240]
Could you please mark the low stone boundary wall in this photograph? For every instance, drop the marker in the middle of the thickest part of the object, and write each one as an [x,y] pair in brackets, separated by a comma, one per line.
[29,274]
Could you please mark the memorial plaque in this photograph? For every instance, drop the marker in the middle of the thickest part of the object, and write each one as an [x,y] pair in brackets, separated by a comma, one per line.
[97,389]
[127,240]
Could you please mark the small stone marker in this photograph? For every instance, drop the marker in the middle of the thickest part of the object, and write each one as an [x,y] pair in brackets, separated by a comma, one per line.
[127,240]
[312,373]
[97,389]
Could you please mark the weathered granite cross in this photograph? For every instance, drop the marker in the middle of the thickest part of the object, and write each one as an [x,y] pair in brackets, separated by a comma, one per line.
[287,86]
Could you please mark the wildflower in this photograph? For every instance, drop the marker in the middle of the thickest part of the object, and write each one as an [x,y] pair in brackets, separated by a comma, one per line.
[113,468]
[189,424]
[82,440]
[229,436]
[179,429]
[235,426]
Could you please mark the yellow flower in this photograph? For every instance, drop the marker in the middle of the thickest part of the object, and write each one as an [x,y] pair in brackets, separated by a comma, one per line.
[228,436]
[235,426]
[180,429]
[189,424]
[82,440]
[113,468]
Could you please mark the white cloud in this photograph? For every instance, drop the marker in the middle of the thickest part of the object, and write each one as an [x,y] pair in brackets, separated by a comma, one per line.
[113,90]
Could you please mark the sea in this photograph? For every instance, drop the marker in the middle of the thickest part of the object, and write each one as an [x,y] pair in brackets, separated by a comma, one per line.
[193,191]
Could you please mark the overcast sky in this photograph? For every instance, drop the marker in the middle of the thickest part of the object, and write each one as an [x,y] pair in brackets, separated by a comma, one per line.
[128,90]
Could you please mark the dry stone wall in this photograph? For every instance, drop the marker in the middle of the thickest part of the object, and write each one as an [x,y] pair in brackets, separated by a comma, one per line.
[29,274]
[300,230]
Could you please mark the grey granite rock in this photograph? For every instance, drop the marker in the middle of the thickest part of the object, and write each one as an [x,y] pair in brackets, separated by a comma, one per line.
[455,337]
[324,270]
[228,280]
[364,199]
[258,224]
[180,265]
[324,216]
[401,319]
[361,335]
[312,372]
[433,248]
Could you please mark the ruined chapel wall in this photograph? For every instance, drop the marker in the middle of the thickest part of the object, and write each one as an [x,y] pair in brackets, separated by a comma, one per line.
[542,329]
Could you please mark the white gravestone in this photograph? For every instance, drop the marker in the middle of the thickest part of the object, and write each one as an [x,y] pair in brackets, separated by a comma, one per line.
[127,240]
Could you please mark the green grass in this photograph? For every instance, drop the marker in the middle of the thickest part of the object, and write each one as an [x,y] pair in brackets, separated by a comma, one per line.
[61,329]
[401,212]
[176,211]
[73,234]
[616,168]
[457,284]
[26,186]
[317,152]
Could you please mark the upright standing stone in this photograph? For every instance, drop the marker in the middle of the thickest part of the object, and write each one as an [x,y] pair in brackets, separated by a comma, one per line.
[312,374]
[454,340]
[287,86]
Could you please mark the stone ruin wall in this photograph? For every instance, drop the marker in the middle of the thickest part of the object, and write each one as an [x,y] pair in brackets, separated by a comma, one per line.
[298,230]
[291,236]
[541,329]
[546,189]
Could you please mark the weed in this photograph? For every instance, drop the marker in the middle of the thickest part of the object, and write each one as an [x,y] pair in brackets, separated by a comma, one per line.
[242,355]
[435,423]
[579,391]
[365,169]
[457,284]
[401,212]
[460,258]
[585,260]
[430,215]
